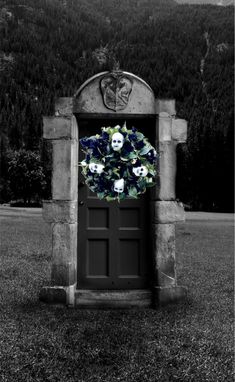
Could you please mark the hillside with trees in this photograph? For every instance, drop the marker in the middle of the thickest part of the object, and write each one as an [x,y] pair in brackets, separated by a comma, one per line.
[50,47]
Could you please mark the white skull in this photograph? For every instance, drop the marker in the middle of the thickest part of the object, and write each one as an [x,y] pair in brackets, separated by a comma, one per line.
[96,168]
[140,171]
[117,141]
[119,185]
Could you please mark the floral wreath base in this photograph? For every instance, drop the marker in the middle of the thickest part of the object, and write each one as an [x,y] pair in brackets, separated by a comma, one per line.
[119,163]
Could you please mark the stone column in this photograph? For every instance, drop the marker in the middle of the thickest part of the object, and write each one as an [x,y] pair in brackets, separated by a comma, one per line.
[165,211]
[61,133]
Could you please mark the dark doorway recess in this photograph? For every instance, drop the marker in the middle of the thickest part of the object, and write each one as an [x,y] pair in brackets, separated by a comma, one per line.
[114,250]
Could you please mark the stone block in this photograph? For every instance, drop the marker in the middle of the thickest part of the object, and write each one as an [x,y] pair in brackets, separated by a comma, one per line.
[65,170]
[64,106]
[165,212]
[166,172]
[165,105]
[59,211]
[60,128]
[113,299]
[63,274]
[164,127]
[164,254]
[166,295]
[56,295]
[179,130]
[47,161]
[64,243]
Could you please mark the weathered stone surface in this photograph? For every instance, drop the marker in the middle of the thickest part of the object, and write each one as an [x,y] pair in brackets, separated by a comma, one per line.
[60,128]
[164,254]
[64,106]
[165,105]
[64,243]
[59,211]
[63,274]
[47,161]
[179,130]
[65,170]
[166,172]
[113,299]
[164,127]
[52,295]
[166,295]
[89,98]
[167,212]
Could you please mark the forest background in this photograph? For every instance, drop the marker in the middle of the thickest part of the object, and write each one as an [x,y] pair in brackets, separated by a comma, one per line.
[48,48]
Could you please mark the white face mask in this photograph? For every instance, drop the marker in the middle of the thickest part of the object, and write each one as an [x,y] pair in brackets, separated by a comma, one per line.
[119,185]
[96,168]
[140,171]
[117,141]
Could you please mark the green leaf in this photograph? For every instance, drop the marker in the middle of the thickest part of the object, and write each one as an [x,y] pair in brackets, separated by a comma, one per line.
[100,195]
[152,172]
[139,136]
[150,184]
[145,149]
[133,192]
[110,198]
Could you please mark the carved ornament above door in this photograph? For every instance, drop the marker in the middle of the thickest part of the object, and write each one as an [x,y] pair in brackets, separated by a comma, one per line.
[116,88]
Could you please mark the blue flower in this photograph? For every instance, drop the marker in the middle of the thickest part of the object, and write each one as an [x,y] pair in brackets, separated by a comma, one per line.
[132,137]
[105,135]
[127,147]
[96,152]
[139,145]
[88,143]
[134,129]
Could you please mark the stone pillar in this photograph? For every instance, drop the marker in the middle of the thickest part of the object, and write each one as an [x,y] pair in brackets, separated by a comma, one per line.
[61,133]
[165,211]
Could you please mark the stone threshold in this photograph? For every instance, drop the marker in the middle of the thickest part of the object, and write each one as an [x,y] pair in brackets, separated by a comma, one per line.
[121,299]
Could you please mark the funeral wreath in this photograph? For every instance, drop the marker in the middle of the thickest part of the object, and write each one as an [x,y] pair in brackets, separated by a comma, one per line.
[119,163]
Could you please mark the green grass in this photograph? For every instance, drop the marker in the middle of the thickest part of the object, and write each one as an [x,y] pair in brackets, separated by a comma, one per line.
[190,341]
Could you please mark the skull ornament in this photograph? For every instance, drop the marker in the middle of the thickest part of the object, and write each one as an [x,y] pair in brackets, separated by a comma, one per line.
[96,168]
[119,185]
[117,141]
[140,171]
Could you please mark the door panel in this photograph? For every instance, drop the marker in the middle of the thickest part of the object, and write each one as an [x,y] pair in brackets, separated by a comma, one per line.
[112,238]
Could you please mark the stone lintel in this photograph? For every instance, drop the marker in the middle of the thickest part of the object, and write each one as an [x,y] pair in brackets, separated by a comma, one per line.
[63,211]
[166,295]
[164,254]
[179,130]
[165,212]
[60,128]
[65,170]
[64,106]
[166,106]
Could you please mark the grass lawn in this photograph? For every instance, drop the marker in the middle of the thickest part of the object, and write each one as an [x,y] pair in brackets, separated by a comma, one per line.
[189,341]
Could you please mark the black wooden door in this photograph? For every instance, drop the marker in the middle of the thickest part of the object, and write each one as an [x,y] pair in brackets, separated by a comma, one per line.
[113,239]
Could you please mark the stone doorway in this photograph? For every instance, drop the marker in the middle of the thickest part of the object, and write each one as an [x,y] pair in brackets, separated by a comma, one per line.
[112,96]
